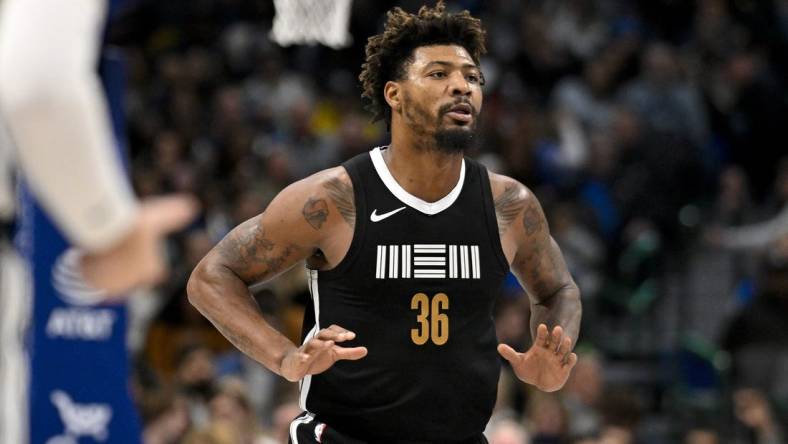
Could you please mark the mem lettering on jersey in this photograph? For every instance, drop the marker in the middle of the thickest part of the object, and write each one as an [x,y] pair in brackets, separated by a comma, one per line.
[428,261]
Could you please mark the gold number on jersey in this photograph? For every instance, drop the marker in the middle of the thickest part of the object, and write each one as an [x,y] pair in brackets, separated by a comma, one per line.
[433,324]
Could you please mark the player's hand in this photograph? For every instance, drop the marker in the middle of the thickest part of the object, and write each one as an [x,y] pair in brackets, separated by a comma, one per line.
[320,353]
[138,259]
[547,364]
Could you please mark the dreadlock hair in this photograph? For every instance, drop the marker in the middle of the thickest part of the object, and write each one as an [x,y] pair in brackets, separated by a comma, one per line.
[389,53]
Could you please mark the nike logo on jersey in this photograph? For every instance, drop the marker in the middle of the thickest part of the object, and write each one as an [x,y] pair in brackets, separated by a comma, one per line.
[375,217]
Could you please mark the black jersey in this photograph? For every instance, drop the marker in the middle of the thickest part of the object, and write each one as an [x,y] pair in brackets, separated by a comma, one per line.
[417,286]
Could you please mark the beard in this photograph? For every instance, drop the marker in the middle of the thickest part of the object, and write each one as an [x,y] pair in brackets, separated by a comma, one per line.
[456,139]
[452,140]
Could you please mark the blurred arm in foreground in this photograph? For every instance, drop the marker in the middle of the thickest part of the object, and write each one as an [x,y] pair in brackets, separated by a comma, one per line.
[56,113]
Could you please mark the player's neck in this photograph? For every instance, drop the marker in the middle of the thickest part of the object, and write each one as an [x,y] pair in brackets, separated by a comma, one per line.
[428,174]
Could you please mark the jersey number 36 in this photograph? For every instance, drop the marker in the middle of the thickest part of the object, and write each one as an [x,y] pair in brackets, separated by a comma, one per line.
[433,324]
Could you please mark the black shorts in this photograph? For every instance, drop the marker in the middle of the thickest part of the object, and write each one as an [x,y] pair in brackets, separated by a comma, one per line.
[306,428]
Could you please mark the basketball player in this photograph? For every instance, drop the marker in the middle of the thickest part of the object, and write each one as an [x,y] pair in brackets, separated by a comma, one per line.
[69,137]
[407,247]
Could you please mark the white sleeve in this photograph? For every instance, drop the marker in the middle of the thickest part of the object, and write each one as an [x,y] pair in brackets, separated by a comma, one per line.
[759,235]
[6,172]
[52,101]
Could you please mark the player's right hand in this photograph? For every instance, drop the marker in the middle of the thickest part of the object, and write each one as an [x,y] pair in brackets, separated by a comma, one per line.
[319,353]
[138,259]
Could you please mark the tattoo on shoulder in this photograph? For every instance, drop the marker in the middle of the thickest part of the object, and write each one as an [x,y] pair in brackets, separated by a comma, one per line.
[342,195]
[507,206]
[315,212]
[251,254]
[533,218]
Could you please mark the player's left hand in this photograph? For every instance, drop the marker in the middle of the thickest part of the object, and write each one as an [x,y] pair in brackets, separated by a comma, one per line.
[549,361]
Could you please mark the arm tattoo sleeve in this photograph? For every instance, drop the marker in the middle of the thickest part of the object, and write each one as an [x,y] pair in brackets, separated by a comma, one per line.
[315,212]
[252,256]
[342,195]
[555,299]
[541,262]
[507,206]
[533,220]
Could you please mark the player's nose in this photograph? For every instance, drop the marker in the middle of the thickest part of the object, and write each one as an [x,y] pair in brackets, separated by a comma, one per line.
[458,84]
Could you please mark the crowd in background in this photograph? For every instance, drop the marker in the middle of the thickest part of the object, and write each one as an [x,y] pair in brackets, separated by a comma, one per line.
[652,131]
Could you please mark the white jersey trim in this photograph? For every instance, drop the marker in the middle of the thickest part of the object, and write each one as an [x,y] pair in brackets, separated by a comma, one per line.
[412,201]
[307,381]
[297,422]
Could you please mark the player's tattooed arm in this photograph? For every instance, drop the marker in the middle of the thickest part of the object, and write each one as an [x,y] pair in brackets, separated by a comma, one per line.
[340,190]
[536,260]
[315,212]
[270,243]
[289,230]
[508,205]
[540,268]
[219,288]
[337,196]
[253,257]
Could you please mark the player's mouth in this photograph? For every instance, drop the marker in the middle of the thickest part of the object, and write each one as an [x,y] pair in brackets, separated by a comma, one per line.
[461,112]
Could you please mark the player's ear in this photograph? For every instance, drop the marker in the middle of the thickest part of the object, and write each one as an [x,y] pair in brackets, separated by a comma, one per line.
[392,92]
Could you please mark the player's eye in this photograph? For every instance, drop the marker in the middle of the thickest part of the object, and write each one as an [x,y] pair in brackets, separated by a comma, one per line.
[437,74]
[472,78]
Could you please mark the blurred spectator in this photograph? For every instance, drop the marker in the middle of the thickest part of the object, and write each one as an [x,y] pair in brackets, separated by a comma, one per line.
[230,407]
[616,435]
[546,419]
[753,410]
[584,252]
[752,121]
[215,433]
[700,435]
[720,280]
[621,414]
[582,396]
[169,422]
[283,416]
[506,431]
[577,26]
[760,235]
[757,337]
[734,201]
[589,97]
[666,102]
[194,379]
[511,323]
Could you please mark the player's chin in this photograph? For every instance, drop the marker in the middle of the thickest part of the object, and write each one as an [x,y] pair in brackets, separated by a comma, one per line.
[461,126]
[456,138]
[449,124]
